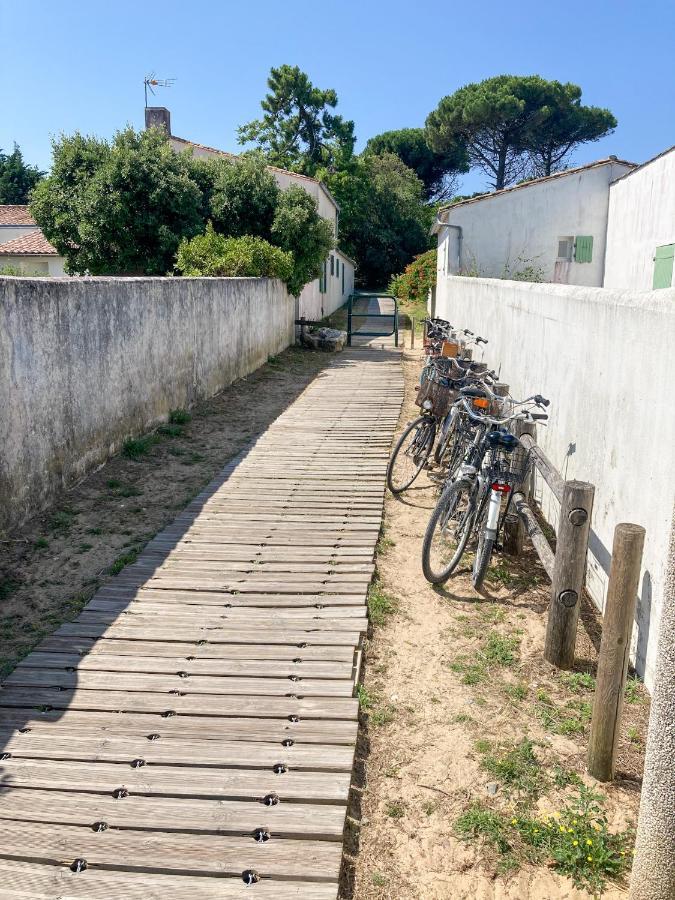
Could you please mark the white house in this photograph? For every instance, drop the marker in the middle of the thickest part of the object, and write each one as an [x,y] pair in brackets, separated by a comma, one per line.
[641,226]
[23,246]
[555,226]
[329,292]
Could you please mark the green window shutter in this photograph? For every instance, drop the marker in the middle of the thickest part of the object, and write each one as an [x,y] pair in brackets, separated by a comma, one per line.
[583,249]
[663,266]
[332,265]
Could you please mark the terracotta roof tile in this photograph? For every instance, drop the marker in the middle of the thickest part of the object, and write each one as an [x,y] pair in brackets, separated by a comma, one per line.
[32,244]
[15,215]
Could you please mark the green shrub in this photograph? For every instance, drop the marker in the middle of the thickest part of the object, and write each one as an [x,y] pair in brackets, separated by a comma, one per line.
[211,254]
[417,280]
[244,196]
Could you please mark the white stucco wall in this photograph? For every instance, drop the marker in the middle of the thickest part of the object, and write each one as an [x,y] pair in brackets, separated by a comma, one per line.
[35,265]
[87,362]
[520,227]
[641,218]
[605,359]
[9,232]
[314,304]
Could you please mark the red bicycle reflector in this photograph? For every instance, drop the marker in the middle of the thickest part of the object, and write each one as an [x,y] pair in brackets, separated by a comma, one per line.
[501,488]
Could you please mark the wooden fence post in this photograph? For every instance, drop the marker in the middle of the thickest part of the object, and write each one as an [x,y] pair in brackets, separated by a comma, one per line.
[412,332]
[617,627]
[568,573]
[514,529]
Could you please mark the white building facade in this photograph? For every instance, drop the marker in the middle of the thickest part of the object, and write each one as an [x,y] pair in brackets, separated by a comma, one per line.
[552,228]
[23,246]
[331,290]
[641,227]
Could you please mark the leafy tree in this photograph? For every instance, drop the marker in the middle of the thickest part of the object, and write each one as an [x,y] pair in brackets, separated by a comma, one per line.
[567,125]
[118,208]
[299,229]
[17,179]
[298,131]
[384,221]
[498,119]
[212,254]
[243,195]
[435,170]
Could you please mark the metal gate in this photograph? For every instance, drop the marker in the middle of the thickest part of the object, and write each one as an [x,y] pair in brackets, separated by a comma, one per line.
[367,306]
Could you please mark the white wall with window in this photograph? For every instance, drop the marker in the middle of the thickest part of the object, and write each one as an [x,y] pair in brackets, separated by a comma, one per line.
[641,227]
[549,229]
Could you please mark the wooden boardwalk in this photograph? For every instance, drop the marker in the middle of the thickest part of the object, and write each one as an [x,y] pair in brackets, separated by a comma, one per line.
[194,729]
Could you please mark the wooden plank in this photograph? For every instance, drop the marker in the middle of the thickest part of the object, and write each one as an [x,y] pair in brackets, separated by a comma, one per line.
[107,662]
[234,817]
[38,881]
[258,754]
[188,685]
[195,650]
[225,635]
[166,852]
[175,781]
[182,727]
[194,704]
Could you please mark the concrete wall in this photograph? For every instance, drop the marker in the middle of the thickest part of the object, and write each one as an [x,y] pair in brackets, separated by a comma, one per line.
[87,362]
[641,218]
[515,228]
[605,360]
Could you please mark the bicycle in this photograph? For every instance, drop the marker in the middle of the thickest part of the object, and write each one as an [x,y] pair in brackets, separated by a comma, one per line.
[437,391]
[471,504]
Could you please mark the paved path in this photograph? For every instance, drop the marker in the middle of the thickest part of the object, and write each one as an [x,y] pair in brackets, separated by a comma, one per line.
[373,305]
[195,727]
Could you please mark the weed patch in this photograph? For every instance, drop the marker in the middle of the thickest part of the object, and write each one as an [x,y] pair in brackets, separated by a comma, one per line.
[133,448]
[179,417]
[574,840]
[571,718]
[122,561]
[381,605]
[517,768]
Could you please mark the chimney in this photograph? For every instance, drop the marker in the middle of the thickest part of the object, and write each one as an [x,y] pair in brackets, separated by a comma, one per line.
[158,117]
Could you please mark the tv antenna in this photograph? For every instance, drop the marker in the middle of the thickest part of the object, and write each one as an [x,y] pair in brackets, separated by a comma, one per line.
[150,82]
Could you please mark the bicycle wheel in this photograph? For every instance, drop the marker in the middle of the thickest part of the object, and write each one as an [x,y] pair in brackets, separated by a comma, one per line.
[448,531]
[410,454]
[482,560]
[446,437]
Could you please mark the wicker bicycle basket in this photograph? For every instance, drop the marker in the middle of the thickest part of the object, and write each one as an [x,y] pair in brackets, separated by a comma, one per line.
[441,397]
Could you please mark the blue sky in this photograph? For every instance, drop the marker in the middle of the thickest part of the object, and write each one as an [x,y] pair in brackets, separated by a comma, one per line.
[76,65]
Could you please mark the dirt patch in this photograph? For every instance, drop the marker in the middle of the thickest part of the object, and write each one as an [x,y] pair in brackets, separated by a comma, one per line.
[469,739]
[52,567]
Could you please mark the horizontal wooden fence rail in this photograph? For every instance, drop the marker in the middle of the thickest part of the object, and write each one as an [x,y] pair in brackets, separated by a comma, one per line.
[566,567]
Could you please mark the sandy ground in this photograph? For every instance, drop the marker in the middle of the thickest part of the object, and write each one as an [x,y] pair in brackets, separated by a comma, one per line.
[51,568]
[419,768]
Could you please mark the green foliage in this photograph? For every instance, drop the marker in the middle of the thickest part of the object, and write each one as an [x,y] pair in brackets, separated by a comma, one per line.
[212,254]
[381,605]
[300,230]
[179,417]
[121,207]
[384,221]
[11,270]
[513,125]
[17,179]
[575,840]
[433,169]
[567,125]
[517,768]
[135,447]
[298,131]
[244,196]
[418,278]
